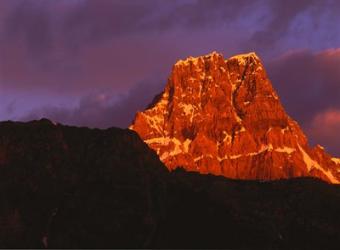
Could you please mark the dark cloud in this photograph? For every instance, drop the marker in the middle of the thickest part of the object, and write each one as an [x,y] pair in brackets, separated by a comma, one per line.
[282,15]
[62,45]
[82,48]
[295,22]
[100,20]
[101,110]
[31,26]
[324,129]
[309,86]
[307,82]
[103,19]
[73,46]
[204,14]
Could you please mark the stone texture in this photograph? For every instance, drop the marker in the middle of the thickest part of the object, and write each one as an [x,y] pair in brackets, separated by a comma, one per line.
[223,117]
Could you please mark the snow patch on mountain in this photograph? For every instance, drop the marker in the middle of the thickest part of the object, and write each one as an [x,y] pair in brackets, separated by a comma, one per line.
[219,111]
[310,163]
[243,59]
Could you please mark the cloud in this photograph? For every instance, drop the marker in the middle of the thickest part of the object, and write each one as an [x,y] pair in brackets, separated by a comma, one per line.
[79,49]
[307,82]
[283,14]
[101,110]
[296,24]
[70,46]
[75,46]
[325,128]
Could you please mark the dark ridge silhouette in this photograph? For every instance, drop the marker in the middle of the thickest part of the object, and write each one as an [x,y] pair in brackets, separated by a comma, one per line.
[68,187]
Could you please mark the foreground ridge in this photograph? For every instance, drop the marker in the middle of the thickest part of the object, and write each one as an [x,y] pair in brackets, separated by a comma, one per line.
[223,117]
[65,187]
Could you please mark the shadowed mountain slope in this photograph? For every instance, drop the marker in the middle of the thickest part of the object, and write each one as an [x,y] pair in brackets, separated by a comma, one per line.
[67,187]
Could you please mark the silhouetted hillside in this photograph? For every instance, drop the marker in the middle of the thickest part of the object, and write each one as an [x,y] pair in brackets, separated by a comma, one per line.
[67,187]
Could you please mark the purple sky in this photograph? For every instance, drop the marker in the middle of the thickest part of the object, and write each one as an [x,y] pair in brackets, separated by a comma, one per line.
[97,62]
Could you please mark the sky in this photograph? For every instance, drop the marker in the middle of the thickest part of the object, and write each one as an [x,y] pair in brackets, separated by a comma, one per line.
[96,62]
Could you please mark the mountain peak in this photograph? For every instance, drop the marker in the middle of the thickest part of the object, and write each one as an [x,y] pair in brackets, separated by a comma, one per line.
[196,60]
[223,116]
[244,58]
[245,55]
[215,56]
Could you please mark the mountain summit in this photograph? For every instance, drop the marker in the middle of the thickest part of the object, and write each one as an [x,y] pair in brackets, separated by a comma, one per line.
[223,117]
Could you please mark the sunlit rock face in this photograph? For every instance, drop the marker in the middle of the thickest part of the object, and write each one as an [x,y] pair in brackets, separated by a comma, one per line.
[223,117]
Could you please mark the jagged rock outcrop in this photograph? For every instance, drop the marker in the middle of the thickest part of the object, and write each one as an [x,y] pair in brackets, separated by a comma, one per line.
[224,117]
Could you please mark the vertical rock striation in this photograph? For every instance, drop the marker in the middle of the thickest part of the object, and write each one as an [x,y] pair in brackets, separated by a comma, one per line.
[223,117]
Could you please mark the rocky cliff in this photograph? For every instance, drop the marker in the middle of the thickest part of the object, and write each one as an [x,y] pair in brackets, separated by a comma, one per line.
[223,117]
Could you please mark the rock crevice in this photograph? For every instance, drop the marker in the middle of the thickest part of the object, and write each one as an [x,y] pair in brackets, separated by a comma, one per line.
[223,117]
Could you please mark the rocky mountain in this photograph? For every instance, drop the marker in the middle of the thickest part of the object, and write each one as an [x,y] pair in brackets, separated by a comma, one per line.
[68,187]
[223,117]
